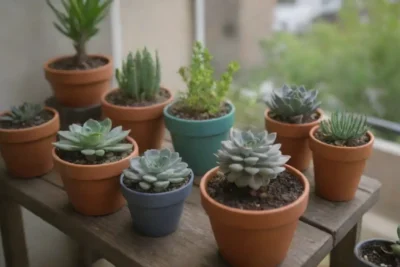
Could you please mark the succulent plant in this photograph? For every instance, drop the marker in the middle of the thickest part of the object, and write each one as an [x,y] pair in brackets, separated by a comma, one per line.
[251,159]
[140,76]
[156,170]
[93,139]
[396,246]
[293,105]
[22,113]
[343,127]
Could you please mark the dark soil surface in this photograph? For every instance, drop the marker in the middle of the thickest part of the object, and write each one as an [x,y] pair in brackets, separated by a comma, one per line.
[43,117]
[315,116]
[171,187]
[376,253]
[69,64]
[351,143]
[283,190]
[182,112]
[120,99]
[77,157]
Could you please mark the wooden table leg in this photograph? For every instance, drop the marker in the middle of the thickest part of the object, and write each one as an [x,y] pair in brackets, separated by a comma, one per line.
[342,254]
[12,232]
[87,257]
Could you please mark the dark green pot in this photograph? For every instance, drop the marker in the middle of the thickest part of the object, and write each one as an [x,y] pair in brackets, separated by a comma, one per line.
[198,140]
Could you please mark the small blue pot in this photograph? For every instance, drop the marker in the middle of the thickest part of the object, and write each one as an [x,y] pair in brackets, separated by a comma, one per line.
[153,214]
[357,252]
[197,141]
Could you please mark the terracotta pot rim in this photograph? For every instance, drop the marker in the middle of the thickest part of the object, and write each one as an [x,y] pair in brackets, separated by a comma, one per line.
[158,194]
[315,128]
[122,108]
[167,114]
[297,202]
[82,166]
[77,72]
[22,130]
[308,124]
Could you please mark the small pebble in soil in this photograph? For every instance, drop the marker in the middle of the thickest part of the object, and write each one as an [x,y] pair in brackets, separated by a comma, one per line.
[120,99]
[283,190]
[43,117]
[77,157]
[182,112]
[171,187]
[350,143]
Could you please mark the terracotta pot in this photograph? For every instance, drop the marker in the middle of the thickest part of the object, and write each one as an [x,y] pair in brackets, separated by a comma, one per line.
[27,152]
[146,123]
[94,189]
[79,88]
[338,170]
[254,238]
[294,139]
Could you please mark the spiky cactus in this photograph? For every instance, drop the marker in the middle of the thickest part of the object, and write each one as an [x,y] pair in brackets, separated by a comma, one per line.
[293,105]
[139,78]
[251,159]
[156,170]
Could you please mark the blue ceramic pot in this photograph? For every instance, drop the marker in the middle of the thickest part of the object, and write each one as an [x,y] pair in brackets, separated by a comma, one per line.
[357,252]
[156,214]
[197,141]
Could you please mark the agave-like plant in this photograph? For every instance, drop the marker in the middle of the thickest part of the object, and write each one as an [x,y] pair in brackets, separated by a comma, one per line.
[93,139]
[251,159]
[343,127]
[293,105]
[22,113]
[140,76]
[156,170]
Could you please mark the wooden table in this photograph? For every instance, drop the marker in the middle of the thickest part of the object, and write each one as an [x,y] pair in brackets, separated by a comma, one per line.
[326,227]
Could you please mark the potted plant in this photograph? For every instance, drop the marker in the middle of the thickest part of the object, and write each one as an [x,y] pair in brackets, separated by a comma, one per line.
[156,186]
[378,252]
[253,198]
[292,113]
[201,118]
[26,134]
[90,159]
[340,146]
[81,79]
[139,101]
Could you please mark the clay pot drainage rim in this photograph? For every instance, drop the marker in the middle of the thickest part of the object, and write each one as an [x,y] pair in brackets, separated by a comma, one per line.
[47,67]
[267,111]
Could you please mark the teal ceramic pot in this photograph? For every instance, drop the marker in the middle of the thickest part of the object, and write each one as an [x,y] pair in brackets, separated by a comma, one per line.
[198,140]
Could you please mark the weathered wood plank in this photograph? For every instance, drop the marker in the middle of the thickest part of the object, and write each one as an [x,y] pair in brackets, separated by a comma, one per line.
[342,255]
[338,218]
[12,232]
[87,257]
[112,236]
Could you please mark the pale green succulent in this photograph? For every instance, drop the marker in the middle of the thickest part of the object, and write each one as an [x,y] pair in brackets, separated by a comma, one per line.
[22,113]
[343,127]
[251,159]
[93,139]
[156,170]
[140,76]
[293,105]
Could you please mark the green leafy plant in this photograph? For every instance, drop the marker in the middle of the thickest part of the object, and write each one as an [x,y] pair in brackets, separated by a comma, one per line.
[139,78]
[22,113]
[93,139]
[204,93]
[396,247]
[79,21]
[293,105]
[343,127]
[156,170]
[251,159]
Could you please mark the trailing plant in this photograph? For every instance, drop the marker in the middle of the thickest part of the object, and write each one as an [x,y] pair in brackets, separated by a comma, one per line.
[79,21]
[139,78]
[156,170]
[293,105]
[204,93]
[93,139]
[22,113]
[251,159]
[343,127]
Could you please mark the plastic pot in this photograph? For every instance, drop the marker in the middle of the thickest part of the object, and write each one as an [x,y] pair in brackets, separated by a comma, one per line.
[197,141]
[360,262]
[27,152]
[156,214]
[254,238]
[94,189]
